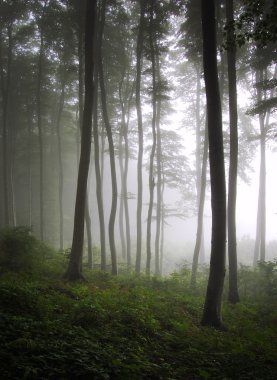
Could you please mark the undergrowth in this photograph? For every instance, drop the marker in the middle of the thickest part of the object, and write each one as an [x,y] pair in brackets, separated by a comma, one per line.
[129,327]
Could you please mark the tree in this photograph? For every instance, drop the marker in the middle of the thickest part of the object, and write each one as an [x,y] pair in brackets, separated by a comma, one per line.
[74,267]
[111,145]
[139,55]
[199,233]
[233,295]
[212,307]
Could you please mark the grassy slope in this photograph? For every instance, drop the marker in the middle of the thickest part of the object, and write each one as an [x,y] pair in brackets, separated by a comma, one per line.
[127,328]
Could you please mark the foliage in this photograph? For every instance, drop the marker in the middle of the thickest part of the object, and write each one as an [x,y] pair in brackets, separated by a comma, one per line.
[131,327]
[19,249]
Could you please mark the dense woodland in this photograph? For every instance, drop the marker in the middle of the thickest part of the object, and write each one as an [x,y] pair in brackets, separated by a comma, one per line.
[117,117]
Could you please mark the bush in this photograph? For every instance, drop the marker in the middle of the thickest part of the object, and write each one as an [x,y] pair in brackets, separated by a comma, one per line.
[19,249]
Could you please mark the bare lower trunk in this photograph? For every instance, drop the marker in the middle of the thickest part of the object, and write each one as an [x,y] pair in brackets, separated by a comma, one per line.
[111,148]
[199,233]
[74,267]
[151,181]
[212,315]
[140,135]
[233,295]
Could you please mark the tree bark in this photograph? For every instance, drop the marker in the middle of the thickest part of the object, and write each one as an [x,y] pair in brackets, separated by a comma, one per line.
[111,147]
[233,294]
[74,268]
[81,106]
[5,89]
[151,181]
[199,233]
[159,178]
[60,160]
[98,177]
[140,134]
[212,308]
[39,123]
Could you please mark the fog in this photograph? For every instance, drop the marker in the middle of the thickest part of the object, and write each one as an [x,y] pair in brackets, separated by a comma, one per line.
[43,76]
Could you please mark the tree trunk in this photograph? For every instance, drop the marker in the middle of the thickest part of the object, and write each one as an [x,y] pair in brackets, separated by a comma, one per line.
[30,150]
[259,250]
[5,89]
[111,147]
[199,233]
[151,180]
[159,178]
[121,201]
[198,154]
[39,124]
[81,105]
[60,160]
[98,177]
[74,268]
[140,134]
[212,308]
[124,170]
[233,295]
[162,223]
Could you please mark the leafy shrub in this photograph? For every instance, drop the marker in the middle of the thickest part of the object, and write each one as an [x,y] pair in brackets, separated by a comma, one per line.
[260,281]
[19,249]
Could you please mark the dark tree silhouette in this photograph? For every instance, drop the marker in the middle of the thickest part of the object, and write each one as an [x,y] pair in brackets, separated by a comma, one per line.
[212,307]
[74,267]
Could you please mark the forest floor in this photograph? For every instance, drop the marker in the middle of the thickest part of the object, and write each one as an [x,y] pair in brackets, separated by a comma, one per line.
[128,328]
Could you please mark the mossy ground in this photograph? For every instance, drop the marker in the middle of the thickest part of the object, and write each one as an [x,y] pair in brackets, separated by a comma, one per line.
[127,328]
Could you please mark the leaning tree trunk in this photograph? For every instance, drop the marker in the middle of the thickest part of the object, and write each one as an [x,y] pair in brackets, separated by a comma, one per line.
[111,147]
[140,134]
[233,295]
[212,308]
[74,267]
[151,181]
[199,233]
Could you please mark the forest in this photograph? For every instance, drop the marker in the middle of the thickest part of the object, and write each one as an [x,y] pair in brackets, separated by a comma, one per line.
[138,189]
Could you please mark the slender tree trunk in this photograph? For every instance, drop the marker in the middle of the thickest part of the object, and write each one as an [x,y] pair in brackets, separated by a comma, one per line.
[111,147]
[74,267]
[233,294]
[81,106]
[258,231]
[12,142]
[259,250]
[126,206]
[39,124]
[162,222]
[30,150]
[60,160]
[212,308]
[199,233]
[198,153]
[121,202]
[159,179]
[98,177]
[5,89]
[151,181]
[263,189]
[139,50]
